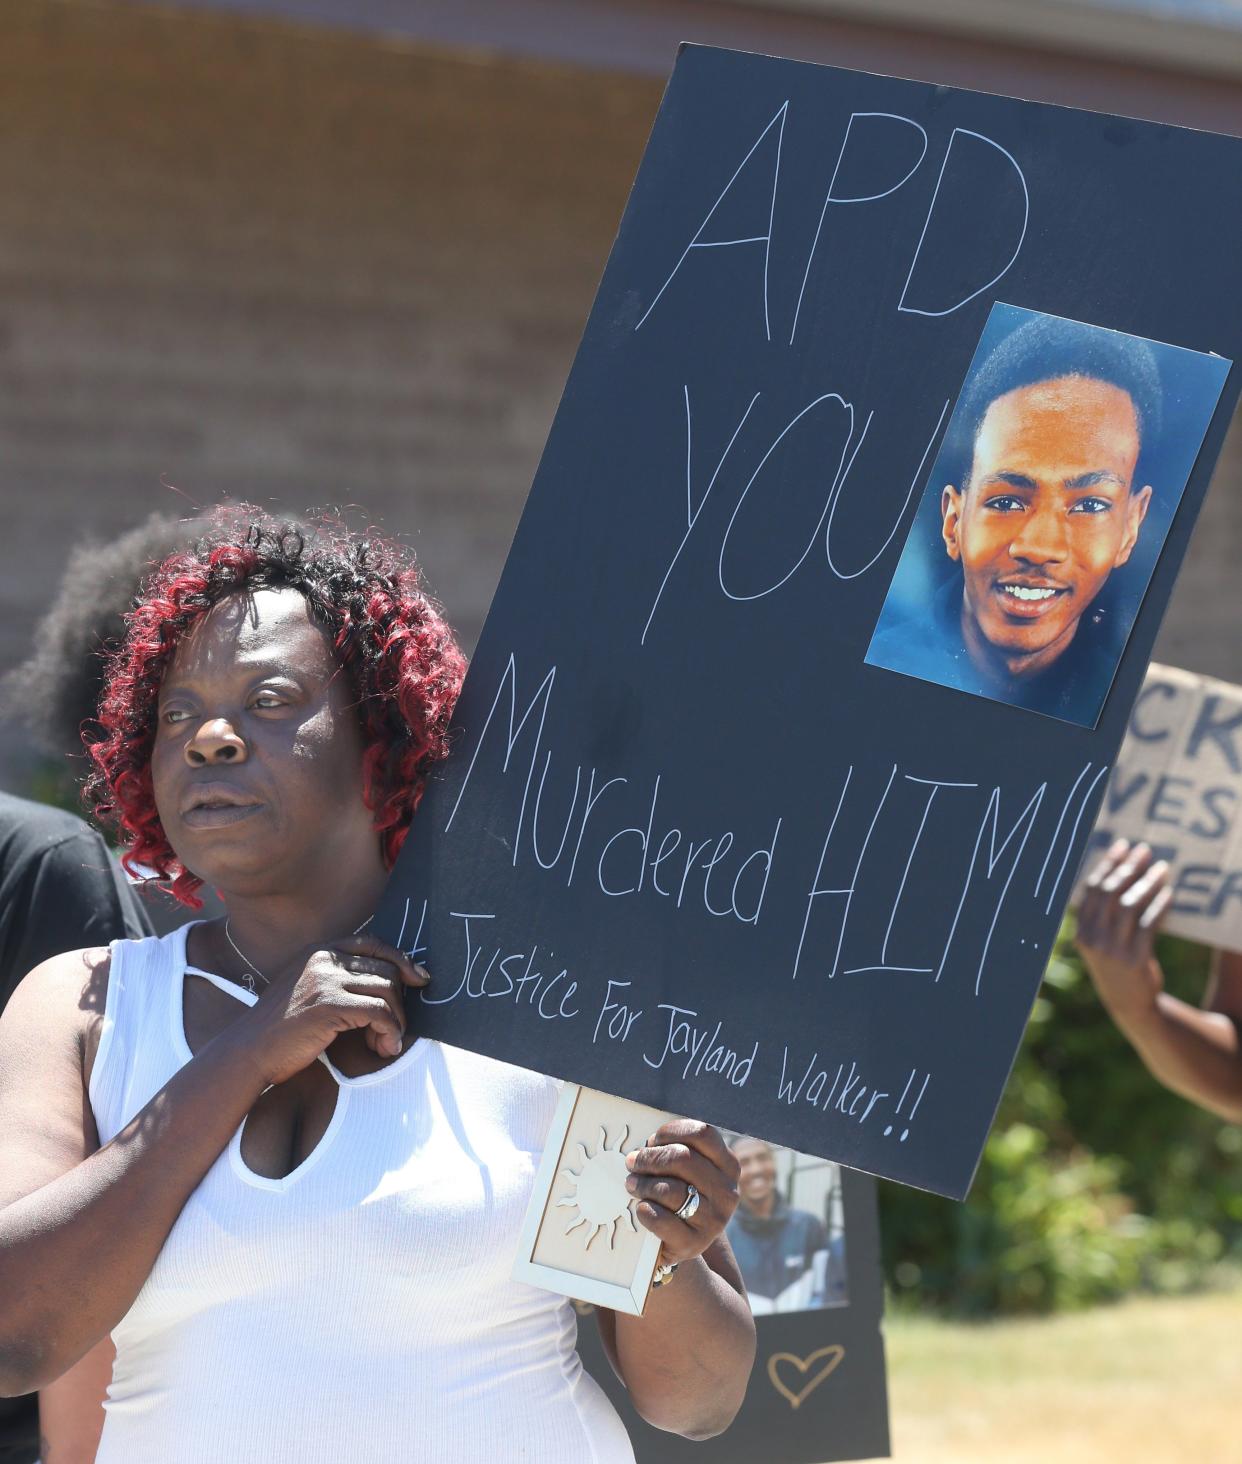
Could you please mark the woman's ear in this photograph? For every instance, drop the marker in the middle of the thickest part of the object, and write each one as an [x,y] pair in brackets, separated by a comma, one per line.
[950,519]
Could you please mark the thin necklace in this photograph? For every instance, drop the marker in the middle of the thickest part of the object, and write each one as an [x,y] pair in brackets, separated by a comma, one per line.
[252,970]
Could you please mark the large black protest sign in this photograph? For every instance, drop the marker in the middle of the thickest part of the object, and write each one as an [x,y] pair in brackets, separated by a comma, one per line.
[691,848]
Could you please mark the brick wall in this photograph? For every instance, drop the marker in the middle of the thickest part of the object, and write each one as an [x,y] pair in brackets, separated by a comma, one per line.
[288,266]
[306,268]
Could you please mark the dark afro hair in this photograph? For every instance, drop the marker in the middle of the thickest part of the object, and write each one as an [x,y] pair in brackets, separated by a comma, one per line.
[1050,348]
[404,666]
[55,691]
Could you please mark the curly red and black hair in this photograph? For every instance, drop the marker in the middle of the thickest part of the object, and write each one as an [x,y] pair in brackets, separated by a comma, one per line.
[404,665]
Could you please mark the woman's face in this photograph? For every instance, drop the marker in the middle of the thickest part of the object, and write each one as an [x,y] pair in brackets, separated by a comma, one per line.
[257,761]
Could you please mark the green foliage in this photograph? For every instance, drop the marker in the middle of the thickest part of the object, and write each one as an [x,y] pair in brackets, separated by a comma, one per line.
[1095,1180]
[58,784]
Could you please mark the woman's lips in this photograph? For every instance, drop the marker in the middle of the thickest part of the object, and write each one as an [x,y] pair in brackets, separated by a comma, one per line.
[1028,602]
[218,815]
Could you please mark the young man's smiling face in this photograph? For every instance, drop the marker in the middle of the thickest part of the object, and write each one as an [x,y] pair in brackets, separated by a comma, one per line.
[757,1181]
[1049,512]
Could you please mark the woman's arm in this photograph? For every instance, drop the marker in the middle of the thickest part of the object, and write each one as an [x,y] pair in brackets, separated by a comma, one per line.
[1193,1051]
[686,1361]
[81,1226]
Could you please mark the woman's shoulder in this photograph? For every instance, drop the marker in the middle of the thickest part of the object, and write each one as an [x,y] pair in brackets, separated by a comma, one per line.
[84,973]
[66,996]
[62,1000]
[77,979]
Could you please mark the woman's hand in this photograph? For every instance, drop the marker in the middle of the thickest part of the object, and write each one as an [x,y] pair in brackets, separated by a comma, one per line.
[1125,898]
[687,1359]
[355,983]
[679,1154]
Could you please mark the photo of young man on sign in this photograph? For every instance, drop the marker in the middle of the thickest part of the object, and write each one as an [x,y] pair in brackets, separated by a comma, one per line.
[788,1231]
[1064,461]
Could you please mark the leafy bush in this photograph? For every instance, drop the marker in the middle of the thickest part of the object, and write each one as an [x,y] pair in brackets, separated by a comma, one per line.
[1095,1180]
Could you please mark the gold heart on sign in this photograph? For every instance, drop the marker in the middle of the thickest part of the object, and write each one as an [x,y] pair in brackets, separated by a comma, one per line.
[829,1359]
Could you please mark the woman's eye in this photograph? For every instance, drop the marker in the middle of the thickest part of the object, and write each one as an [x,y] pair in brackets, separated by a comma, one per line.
[267,701]
[1092,505]
[175,714]
[1004,503]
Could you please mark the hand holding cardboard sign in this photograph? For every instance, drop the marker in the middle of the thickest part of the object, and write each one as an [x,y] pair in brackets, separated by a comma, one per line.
[685,1178]
[1193,1051]
[350,984]
[1125,897]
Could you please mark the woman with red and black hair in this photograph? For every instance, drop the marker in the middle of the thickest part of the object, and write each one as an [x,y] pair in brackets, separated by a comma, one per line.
[223,1147]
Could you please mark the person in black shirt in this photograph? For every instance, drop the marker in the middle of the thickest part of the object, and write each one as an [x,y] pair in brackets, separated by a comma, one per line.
[59,889]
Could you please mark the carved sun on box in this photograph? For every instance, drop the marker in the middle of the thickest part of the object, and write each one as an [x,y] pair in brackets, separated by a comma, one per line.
[599,1194]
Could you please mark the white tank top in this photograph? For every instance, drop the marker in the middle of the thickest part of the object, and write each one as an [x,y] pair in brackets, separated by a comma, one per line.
[360,1308]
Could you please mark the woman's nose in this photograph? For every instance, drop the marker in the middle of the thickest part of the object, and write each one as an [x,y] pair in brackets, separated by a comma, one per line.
[215,741]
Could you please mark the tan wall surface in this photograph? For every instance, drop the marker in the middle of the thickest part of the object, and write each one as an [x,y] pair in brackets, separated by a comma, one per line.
[307,268]
[294,267]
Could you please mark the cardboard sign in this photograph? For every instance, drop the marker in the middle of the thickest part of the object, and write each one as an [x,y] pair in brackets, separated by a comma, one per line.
[1178,785]
[818,1391]
[691,848]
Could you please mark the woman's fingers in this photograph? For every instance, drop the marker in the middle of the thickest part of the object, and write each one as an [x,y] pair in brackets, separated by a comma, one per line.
[680,1154]
[356,983]
[679,1240]
[669,1194]
[672,1162]
[374,968]
[371,948]
[385,989]
[703,1138]
[369,966]
[385,1031]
